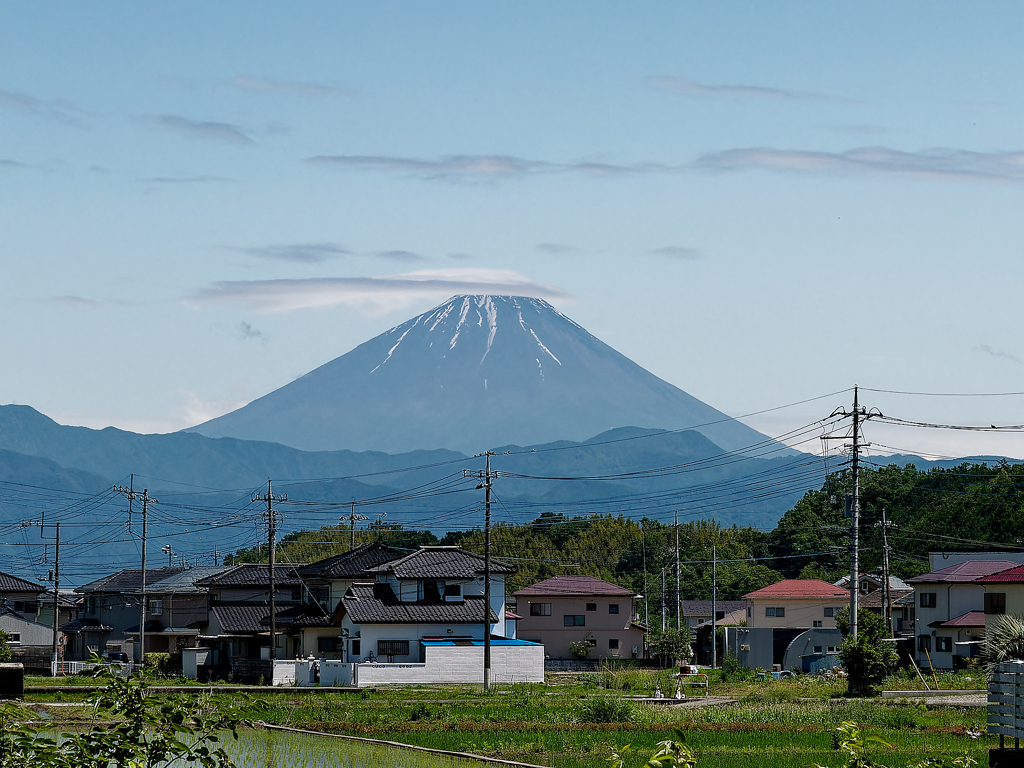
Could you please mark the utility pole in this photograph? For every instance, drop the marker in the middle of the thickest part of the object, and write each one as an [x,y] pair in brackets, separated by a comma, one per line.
[486,477]
[887,594]
[663,599]
[352,526]
[714,605]
[271,514]
[855,519]
[131,495]
[643,551]
[678,602]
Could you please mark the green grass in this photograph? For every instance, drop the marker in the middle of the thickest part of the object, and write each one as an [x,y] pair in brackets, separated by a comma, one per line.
[579,721]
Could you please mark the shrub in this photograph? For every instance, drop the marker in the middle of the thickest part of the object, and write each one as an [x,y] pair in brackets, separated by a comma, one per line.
[605,709]
[5,649]
[581,649]
[732,672]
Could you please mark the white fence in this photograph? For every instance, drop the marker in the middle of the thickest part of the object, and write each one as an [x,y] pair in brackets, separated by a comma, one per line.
[64,668]
[1006,700]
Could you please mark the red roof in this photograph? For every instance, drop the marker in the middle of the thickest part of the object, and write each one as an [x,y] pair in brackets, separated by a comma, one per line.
[969,619]
[972,570]
[807,589]
[1010,576]
[575,586]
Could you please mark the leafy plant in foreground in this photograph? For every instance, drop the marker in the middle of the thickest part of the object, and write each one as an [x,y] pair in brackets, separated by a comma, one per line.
[138,730]
[671,753]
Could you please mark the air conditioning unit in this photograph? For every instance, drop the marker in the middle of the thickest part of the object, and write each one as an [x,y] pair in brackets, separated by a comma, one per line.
[745,648]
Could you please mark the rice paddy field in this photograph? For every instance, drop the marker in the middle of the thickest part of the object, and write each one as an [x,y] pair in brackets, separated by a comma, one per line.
[579,720]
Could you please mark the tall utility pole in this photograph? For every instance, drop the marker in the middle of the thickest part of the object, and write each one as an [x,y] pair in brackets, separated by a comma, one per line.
[643,551]
[887,594]
[678,602]
[855,519]
[271,514]
[352,526]
[486,478]
[663,598]
[56,599]
[714,605]
[131,495]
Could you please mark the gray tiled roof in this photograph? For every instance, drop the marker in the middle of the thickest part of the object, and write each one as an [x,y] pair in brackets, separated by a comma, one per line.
[253,575]
[440,563]
[129,580]
[241,619]
[9,583]
[353,564]
[703,607]
[377,604]
[186,580]
[82,624]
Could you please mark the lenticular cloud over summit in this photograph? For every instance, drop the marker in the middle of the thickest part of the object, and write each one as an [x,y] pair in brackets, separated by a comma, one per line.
[473,373]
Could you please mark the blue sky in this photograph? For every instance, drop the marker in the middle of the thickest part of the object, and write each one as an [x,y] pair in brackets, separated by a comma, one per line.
[758,202]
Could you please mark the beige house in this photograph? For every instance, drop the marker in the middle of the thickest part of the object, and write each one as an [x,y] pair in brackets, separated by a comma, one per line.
[566,609]
[796,604]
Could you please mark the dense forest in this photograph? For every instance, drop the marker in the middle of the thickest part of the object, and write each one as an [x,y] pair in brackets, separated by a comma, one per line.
[963,508]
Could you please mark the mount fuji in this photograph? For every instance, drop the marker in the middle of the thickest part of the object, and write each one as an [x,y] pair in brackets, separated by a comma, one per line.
[470,374]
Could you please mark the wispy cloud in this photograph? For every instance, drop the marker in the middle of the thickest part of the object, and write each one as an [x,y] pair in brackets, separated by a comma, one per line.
[985,348]
[493,167]
[249,332]
[372,295]
[557,249]
[201,129]
[54,109]
[11,164]
[405,257]
[301,253]
[75,301]
[947,163]
[183,180]
[684,253]
[684,86]
[291,87]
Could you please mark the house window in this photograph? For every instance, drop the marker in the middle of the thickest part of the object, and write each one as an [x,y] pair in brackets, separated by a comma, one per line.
[817,625]
[15,637]
[330,644]
[613,608]
[833,648]
[297,595]
[453,590]
[591,606]
[830,613]
[540,609]
[156,607]
[944,644]
[575,621]
[90,604]
[356,647]
[432,590]
[817,649]
[778,612]
[750,612]
[392,647]
[320,595]
[927,600]
[924,642]
[613,644]
[995,602]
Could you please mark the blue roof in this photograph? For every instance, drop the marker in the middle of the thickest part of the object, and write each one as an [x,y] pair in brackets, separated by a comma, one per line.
[494,642]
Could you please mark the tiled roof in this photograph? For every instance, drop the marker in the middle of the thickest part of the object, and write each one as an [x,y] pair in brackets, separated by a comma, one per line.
[808,589]
[569,586]
[82,624]
[186,580]
[703,607]
[129,580]
[353,564]
[9,583]
[1011,576]
[440,563]
[377,604]
[895,582]
[969,619]
[875,599]
[972,570]
[253,575]
[241,619]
